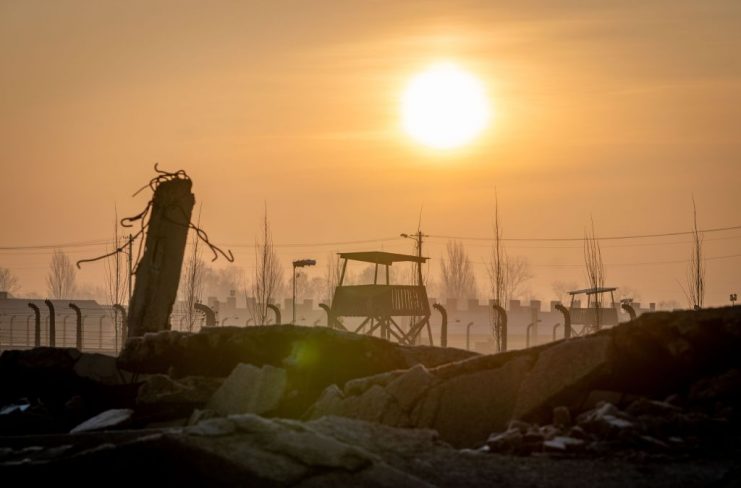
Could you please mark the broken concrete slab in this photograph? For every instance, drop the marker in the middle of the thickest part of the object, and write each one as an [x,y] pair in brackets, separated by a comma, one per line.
[408,387]
[473,405]
[216,351]
[560,374]
[116,417]
[101,368]
[161,389]
[249,389]
[460,398]
[313,357]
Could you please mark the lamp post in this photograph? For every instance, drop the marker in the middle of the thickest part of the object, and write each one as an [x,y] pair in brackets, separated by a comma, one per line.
[298,264]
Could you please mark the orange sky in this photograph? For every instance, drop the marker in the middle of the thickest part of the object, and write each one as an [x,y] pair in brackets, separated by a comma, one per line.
[619,110]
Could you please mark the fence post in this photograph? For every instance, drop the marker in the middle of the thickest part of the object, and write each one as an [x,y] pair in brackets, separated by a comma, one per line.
[208,312]
[443,324]
[37,332]
[566,320]
[52,324]
[78,312]
[631,311]
[275,309]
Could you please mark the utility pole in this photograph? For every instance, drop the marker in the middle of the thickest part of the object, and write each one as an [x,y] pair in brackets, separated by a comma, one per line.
[131,270]
[418,238]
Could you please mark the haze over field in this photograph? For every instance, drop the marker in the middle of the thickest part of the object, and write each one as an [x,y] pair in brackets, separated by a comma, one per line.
[619,111]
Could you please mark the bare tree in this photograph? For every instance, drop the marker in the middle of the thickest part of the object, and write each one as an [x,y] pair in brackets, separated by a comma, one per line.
[60,281]
[518,273]
[8,281]
[221,282]
[507,274]
[695,286]
[268,278]
[498,276]
[192,283]
[458,278]
[332,276]
[595,268]
[115,270]
[562,288]
[498,264]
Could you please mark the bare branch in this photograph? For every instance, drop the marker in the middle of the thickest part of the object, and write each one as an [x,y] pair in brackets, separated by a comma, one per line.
[458,277]
[60,281]
[594,266]
[268,278]
[695,290]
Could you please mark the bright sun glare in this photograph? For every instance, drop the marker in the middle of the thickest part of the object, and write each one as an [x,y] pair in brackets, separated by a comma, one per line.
[444,107]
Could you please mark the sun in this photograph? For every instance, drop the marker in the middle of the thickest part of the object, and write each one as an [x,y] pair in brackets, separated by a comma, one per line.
[444,107]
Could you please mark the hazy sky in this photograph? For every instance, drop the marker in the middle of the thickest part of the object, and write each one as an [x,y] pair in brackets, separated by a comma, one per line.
[618,110]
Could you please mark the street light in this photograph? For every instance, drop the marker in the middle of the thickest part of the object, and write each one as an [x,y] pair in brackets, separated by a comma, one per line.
[298,264]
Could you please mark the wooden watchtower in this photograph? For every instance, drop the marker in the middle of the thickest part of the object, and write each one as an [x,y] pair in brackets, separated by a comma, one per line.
[378,304]
[594,316]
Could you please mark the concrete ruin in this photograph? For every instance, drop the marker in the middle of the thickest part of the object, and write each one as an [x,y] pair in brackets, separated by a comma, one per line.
[158,271]
[653,402]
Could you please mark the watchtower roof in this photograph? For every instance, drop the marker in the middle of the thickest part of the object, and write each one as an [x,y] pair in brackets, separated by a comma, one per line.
[592,291]
[381,257]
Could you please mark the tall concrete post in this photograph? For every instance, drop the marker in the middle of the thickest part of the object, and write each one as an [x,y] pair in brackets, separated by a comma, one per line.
[158,272]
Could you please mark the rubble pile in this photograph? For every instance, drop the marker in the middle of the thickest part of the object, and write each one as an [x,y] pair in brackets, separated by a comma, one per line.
[249,450]
[655,356]
[653,402]
[164,377]
[50,390]
[646,427]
